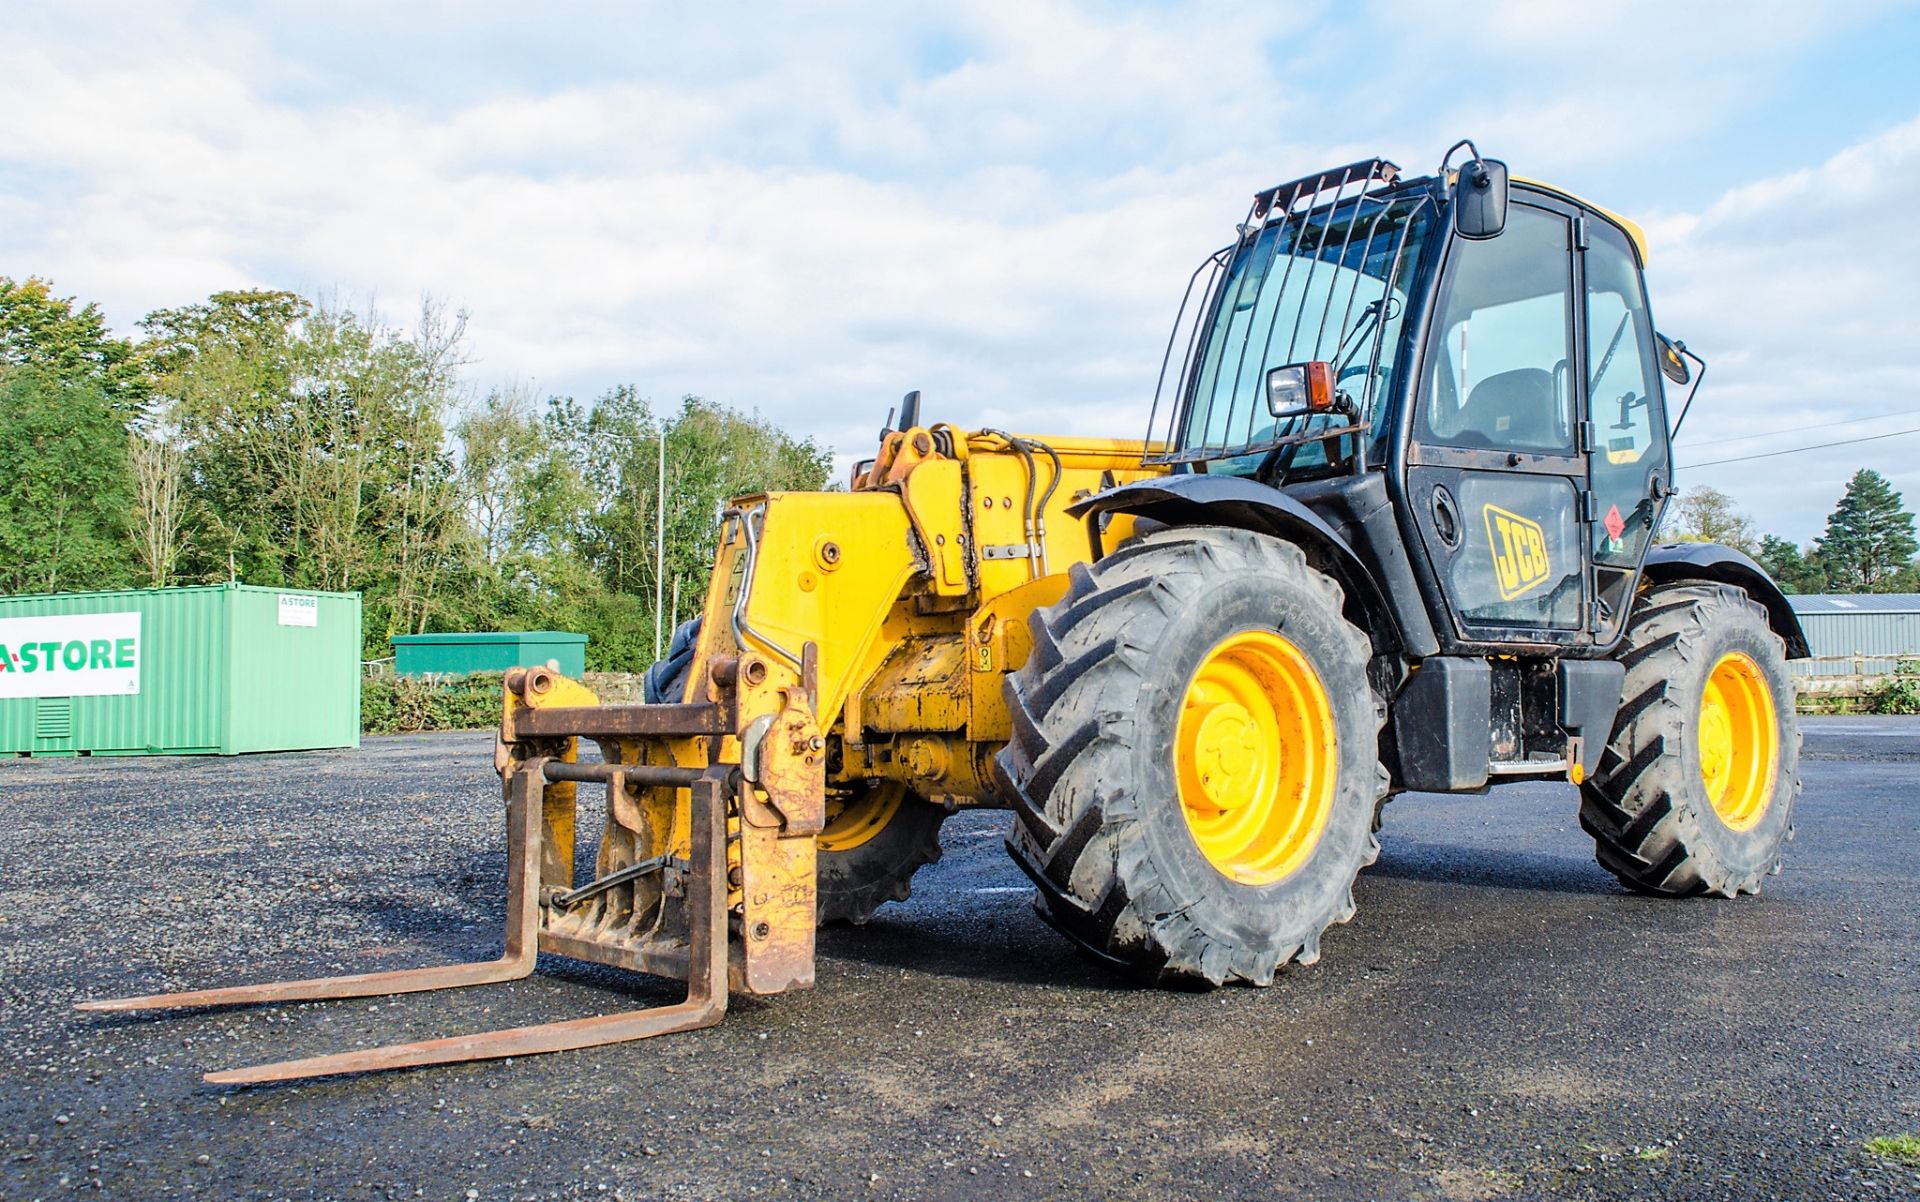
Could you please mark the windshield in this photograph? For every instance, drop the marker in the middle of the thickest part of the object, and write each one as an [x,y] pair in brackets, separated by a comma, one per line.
[1328,284]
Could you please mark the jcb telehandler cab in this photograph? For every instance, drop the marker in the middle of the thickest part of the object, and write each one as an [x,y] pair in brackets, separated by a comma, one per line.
[1391,531]
[1418,447]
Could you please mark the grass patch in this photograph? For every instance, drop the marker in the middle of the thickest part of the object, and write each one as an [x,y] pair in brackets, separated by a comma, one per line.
[1902,1149]
[1898,693]
[1654,1153]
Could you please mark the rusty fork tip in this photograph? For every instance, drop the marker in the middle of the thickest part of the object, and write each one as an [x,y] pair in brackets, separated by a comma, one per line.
[117,1005]
[341,1064]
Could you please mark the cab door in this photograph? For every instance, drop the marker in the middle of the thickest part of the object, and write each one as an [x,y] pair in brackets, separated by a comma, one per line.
[1496,476]
[1629,469]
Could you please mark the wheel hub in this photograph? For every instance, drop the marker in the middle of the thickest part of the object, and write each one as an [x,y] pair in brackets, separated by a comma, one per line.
[855,820]
[1739,740]
[1254,757]
[1230,754]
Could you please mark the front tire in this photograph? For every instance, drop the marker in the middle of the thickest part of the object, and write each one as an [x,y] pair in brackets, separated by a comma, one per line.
[1694,793]
[1195,766]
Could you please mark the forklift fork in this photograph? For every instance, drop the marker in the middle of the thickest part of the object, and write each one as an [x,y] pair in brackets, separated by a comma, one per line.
[705,953]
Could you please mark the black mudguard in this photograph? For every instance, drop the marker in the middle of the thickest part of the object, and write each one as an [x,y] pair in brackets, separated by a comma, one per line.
[1204,500]
[1668,562]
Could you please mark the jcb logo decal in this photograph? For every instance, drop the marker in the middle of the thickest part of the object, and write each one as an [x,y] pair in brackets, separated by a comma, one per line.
[1519,551]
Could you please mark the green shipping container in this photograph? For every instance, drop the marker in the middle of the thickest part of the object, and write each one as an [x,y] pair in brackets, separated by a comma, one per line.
[219,670]
[487,651]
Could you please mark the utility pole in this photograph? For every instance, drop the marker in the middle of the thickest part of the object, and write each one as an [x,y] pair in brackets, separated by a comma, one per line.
[660,545]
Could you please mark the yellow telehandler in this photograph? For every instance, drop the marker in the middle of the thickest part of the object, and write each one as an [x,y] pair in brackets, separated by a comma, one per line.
[1392,529]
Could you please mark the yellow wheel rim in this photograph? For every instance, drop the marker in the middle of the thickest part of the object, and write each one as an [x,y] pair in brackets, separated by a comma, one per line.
[1739,740]
[854,818]
[1255,757]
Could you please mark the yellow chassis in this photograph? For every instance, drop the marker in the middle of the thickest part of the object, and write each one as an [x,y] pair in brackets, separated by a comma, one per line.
[848,638]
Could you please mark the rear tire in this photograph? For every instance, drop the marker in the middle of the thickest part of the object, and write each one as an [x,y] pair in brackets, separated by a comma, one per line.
[870,849]
[877,835]
[1666,819]
[1102,807]
[665,683]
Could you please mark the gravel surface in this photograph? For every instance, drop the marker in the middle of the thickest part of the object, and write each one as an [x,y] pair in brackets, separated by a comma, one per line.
[1500,1020]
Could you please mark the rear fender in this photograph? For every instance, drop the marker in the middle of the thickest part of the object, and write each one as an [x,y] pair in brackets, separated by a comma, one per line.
[1671,562]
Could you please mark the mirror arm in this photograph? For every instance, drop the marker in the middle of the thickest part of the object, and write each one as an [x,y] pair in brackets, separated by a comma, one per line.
[1479,194]
[1471,149]
[1700,371]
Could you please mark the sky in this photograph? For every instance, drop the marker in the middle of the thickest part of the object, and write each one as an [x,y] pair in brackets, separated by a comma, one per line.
[807,211]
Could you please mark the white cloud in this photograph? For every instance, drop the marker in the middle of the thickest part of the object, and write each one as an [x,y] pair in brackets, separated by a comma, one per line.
[1563,87]
[997,202]
[1799,291]
[596,243]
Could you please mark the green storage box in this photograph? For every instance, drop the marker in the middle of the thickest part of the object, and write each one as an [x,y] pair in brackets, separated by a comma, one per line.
[487,651]
[217,670]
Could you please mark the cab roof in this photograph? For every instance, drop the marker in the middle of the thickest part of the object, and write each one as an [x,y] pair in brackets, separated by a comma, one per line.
[1631,228]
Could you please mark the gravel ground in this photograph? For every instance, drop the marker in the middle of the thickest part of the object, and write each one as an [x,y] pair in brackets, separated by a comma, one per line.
[1501,1020]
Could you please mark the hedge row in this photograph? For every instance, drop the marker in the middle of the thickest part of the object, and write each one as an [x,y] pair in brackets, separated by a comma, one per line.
[391,705]
[404,704]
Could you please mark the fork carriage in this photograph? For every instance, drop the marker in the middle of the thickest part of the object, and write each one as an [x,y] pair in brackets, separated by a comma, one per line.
[739,849]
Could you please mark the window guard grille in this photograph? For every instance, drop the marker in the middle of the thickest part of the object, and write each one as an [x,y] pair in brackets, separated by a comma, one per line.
[1281,224]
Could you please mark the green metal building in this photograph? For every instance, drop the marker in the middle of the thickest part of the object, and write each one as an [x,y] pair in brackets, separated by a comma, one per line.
[1857,634]
[218,670]
[461,652]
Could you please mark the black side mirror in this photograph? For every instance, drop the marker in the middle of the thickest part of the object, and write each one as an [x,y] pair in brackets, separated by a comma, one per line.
[1480,198]
[1672,365]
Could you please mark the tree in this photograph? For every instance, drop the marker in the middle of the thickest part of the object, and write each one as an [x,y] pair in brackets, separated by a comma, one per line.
[1793,570]
[64,495]
[1869,543]
[564,507]
[316,453]
[525,504]
[159,503]
[494,444]
[225,364]
[713,455]
[251,323]
[44,331]
[304,444]
[1707,515]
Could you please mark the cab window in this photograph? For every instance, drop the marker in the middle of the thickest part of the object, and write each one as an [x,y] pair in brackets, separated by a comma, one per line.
[1623,390]
[1498,377]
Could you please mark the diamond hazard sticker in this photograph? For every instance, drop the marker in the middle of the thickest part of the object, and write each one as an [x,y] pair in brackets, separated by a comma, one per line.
[1615,524]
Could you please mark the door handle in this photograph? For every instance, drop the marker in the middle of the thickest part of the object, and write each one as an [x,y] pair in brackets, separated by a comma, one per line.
[1446,517]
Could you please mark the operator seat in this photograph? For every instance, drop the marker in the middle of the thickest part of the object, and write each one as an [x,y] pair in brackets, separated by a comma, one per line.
[1515,409]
